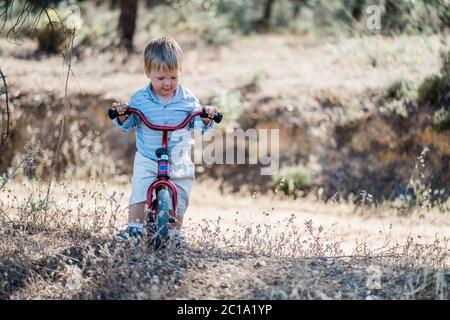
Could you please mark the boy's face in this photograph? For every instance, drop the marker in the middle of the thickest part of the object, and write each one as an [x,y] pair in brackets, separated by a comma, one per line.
[164,83]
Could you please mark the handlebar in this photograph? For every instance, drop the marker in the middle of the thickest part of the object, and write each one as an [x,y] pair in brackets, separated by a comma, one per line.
[112,113]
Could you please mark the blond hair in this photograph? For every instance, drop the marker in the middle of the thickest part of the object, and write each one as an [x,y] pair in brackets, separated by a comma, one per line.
[163,54]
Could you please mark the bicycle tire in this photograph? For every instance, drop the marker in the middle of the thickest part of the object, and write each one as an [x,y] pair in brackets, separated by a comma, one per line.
[162,217]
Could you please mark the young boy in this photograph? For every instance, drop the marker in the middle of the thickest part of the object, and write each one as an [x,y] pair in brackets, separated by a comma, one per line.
[164,102]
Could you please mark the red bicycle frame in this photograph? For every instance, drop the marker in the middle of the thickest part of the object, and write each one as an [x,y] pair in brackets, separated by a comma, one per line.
[163,178]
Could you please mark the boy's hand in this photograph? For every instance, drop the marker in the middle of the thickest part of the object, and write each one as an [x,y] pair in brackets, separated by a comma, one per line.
[211,111]
[121,107]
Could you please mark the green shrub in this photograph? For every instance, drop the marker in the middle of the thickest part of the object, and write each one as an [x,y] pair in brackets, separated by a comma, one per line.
[50,38]
[396,107]
[397,97]
[97,28]
[445,63]
[49,33]
[217,32]
[398,90]
[398,16]
[230,104]
[435,89]
[441,119]
[431,89]
[242,15]
[291,180]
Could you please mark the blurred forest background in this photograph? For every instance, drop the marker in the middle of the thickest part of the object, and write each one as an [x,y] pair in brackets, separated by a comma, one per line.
[363,112]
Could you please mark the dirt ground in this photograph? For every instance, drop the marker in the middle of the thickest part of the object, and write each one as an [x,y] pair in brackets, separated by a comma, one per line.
[289,66]
[239,247]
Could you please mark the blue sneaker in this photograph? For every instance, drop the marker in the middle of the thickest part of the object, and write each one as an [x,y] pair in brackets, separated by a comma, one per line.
[130,234]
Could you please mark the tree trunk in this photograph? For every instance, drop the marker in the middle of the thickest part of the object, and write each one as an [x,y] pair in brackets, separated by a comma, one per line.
[297,6]
[268,11]
[358,9]
[264,22]
[127,23]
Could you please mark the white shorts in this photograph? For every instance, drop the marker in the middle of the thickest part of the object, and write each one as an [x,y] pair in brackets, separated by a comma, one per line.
[145,171]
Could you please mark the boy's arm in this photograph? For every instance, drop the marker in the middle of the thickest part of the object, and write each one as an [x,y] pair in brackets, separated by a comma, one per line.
[131,122]
[126,123]
[198,124]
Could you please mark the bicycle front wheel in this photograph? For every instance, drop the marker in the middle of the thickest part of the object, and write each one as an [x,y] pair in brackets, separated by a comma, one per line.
[162,216]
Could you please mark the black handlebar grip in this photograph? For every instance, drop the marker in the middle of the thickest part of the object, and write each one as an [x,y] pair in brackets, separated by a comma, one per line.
[112,113]
[217,117]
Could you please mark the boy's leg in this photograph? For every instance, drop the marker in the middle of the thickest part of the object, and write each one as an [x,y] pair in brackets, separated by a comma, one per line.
[145,171]
[178,222]
[136,221]
[136,213]
[184,186]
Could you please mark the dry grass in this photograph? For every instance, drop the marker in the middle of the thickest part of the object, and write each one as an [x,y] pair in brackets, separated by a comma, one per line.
[240,247]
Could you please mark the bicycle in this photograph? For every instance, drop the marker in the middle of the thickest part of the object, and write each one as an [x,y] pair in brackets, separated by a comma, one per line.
[161,210]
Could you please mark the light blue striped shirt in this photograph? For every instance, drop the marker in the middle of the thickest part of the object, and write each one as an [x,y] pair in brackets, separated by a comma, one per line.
[160,113]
